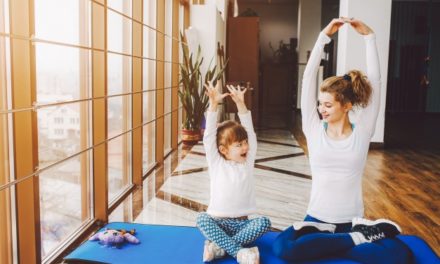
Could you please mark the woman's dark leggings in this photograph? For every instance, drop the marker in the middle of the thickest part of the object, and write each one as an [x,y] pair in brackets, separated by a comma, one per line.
[314,246]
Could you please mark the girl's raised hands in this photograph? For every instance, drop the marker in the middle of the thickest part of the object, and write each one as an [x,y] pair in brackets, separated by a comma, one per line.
[213,93]
[236,93]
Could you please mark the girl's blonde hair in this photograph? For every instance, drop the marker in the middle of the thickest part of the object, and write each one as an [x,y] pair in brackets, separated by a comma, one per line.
[229,132]
[353,87]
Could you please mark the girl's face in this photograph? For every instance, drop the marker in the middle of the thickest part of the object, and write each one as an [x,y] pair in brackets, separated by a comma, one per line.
[237,151]
[330,109]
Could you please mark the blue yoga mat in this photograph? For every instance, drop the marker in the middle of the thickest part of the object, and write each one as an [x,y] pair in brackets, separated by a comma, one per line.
[184,245]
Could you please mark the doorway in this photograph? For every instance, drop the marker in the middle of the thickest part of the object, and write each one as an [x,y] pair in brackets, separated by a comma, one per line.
[413,88]
[276,72]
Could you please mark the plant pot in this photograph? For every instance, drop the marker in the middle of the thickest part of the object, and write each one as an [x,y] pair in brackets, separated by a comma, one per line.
[190,137]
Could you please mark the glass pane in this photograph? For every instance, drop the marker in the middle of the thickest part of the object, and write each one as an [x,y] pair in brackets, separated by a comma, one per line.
[119,165]
[149,43]
[181,19]
[62,131]
[66,21]
[168,28]
[167,134]
[180,117]
[167,119]
[148,150]
[124,211]
[149,75]
[119,74]
[149,106]
[7,238]
[62,73]
[123,6]
[119,116]
[64,201]
[167,74]
[6,223]
[119,33]
[4,16]
[168,88]
[150,13]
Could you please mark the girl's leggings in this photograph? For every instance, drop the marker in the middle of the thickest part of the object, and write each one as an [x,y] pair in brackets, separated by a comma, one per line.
[314,246]
[232,233]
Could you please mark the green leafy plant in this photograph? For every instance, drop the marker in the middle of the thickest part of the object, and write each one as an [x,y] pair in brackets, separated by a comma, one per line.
[192,93]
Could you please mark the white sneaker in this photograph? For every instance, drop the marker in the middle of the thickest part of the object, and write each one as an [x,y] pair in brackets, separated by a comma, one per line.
[381,222]
[211,251]
[375,230]
[320,227]
[248,256]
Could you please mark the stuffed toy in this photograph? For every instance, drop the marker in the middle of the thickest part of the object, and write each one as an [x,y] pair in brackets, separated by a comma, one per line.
[115,237]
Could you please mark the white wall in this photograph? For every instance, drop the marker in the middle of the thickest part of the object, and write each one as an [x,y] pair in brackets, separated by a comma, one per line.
[210,29]
[278,21]
[309,26]
[351,47]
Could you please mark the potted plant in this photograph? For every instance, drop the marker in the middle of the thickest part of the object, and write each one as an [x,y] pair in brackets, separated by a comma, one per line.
[192,94]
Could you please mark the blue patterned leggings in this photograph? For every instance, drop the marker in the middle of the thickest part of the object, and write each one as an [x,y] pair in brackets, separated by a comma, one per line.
[232,233]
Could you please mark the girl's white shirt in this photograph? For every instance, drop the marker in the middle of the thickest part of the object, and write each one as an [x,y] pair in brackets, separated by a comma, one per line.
[232,191]
[337,165]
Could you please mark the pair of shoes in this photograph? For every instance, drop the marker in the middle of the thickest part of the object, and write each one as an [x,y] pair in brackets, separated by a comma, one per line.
[248,256]
[375,230]
[211,251]
[307,227]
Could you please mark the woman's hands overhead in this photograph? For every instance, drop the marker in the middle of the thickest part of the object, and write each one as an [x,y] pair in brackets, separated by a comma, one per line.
[333,26]
[356,24]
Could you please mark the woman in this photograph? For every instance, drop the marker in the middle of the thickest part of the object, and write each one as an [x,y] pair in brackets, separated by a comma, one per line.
[337,152]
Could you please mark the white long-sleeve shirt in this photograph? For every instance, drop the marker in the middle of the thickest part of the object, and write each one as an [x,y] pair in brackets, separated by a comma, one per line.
[232,184]
[337,165]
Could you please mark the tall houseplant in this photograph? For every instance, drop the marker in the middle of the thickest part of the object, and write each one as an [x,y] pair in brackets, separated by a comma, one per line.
[192,93]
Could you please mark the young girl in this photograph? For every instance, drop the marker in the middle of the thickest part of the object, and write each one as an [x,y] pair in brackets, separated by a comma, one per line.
[337,152]
[230,151]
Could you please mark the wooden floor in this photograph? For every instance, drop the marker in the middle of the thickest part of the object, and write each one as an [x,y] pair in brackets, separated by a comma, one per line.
[402,184]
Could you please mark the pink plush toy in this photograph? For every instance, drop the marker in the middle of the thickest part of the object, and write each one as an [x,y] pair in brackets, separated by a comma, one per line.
[113,237]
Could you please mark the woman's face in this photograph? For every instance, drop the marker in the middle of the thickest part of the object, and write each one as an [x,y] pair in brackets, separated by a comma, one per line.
[330,109]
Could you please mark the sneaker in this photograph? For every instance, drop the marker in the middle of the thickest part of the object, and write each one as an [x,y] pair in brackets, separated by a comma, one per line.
[375,230]
[211,251]
[248,256]
[306,227]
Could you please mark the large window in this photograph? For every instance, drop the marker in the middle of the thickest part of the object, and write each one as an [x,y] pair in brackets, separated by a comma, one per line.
[67,71]
[181,31]
[6,208]
[119,77]
[63,76]
[149,85]
[167,71]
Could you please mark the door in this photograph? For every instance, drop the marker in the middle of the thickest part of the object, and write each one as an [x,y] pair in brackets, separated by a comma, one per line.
[409,61]
[243,54]
[413,89]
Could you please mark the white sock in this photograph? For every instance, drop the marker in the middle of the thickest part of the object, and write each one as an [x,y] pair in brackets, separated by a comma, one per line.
[248,255]
[358,238]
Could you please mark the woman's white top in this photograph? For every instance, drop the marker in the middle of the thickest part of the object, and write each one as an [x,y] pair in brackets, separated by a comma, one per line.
[337,165]
[232,184]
